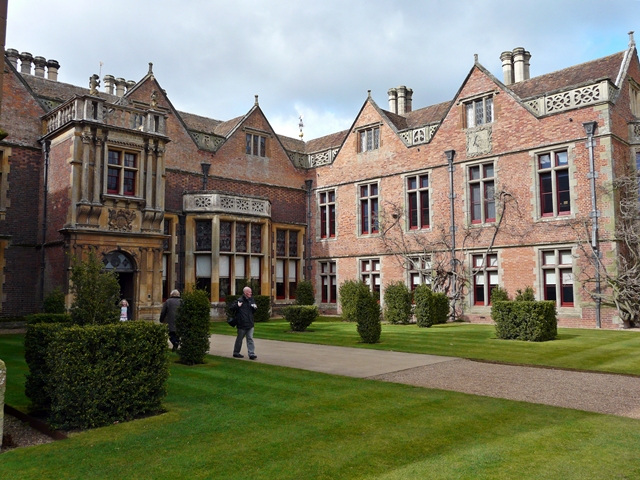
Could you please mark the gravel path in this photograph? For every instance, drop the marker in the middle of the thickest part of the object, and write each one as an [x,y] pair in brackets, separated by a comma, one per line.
[593,392]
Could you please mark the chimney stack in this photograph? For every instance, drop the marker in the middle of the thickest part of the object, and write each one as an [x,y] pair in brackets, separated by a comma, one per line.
[120,84]
[52,70]
[26,59]
[130,84]
[12,54]
[40,63]
[109,83]
[515,65]
[408,100]
[507,67]
[402,97]
[393,100]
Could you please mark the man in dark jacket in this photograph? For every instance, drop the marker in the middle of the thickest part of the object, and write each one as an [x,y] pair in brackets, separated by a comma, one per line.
[168,315]
[243,308]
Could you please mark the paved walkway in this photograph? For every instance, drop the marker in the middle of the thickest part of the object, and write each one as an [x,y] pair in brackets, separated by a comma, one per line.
[593,392]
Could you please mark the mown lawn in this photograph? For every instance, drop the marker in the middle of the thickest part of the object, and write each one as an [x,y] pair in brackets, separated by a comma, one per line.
[230,419]
[614,351]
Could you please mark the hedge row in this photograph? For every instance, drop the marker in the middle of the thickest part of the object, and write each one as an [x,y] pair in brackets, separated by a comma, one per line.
[431,308]
[49,318]
[525,320]
[300,316]
[84,377]
[192,326]
[397,303]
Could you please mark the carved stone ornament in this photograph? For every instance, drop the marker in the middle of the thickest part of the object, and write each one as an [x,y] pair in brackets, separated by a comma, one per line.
[121,219]
[479,141]
[154,99]
[94,83]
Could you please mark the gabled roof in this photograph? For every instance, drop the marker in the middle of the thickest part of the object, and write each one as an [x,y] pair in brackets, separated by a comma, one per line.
[333,140]
[431,114]
[58,91]
[585,73]
[199,123]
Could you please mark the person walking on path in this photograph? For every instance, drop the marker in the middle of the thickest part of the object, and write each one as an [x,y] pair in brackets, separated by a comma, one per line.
[243,309]
[168,315]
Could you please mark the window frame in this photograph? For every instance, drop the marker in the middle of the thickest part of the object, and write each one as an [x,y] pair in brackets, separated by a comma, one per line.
[368,139]
[368,208]
[415,201]
[327,208]
[470,107]
[255,144]
[370,272]
[550,182]
[417,268]
[122,172]
[286,291]
[484,266]
[328,273]
[559,270]
[484,184]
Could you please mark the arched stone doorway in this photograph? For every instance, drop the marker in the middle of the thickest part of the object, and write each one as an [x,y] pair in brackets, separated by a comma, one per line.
[124,266]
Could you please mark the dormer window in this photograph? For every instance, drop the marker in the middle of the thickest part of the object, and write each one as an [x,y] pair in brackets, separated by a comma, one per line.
[479,111]
[369,139]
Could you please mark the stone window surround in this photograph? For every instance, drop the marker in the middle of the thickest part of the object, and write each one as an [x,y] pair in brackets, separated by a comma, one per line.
[373,128]
[320,234]
[540,269]
[535,199]
[486,269]
[122,168]
[467,192]
[359,201]
[328,277]
[417,190]
[463,102]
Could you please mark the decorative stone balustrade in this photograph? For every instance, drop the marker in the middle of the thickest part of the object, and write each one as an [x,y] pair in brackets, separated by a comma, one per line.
[576,98]
[417,136]
[97,110]
[634,132]
[206,141]
[221,203]
[323,158]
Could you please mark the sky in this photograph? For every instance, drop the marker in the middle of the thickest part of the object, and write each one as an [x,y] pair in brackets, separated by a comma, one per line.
[315,58]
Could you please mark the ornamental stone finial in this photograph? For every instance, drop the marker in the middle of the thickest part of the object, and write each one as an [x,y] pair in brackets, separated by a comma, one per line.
[150,72]
[94,83]
[256,101]
[632,42]
[475,58]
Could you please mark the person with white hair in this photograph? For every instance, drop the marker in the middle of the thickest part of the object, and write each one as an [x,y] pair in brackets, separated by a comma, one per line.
[243,309]
[168,315]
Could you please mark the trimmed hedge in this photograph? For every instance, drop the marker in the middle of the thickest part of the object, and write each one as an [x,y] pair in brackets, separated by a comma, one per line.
[192,326]
[82,377]
[397,303]
[349,293]
[431,308]
[367,314]
[55,302]
[106,373]
[531,321]
[305,294]
[36,344]
[262,313]
[49,318]
[300,316]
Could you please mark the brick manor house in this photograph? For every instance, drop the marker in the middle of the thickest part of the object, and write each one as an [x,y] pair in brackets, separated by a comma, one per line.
[492,185]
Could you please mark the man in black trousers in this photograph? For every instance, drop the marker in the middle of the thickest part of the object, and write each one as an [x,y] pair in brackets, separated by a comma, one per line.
[243,308]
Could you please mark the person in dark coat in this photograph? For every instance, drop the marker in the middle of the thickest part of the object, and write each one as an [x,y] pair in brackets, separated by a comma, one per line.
[243,309]
[168,315]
